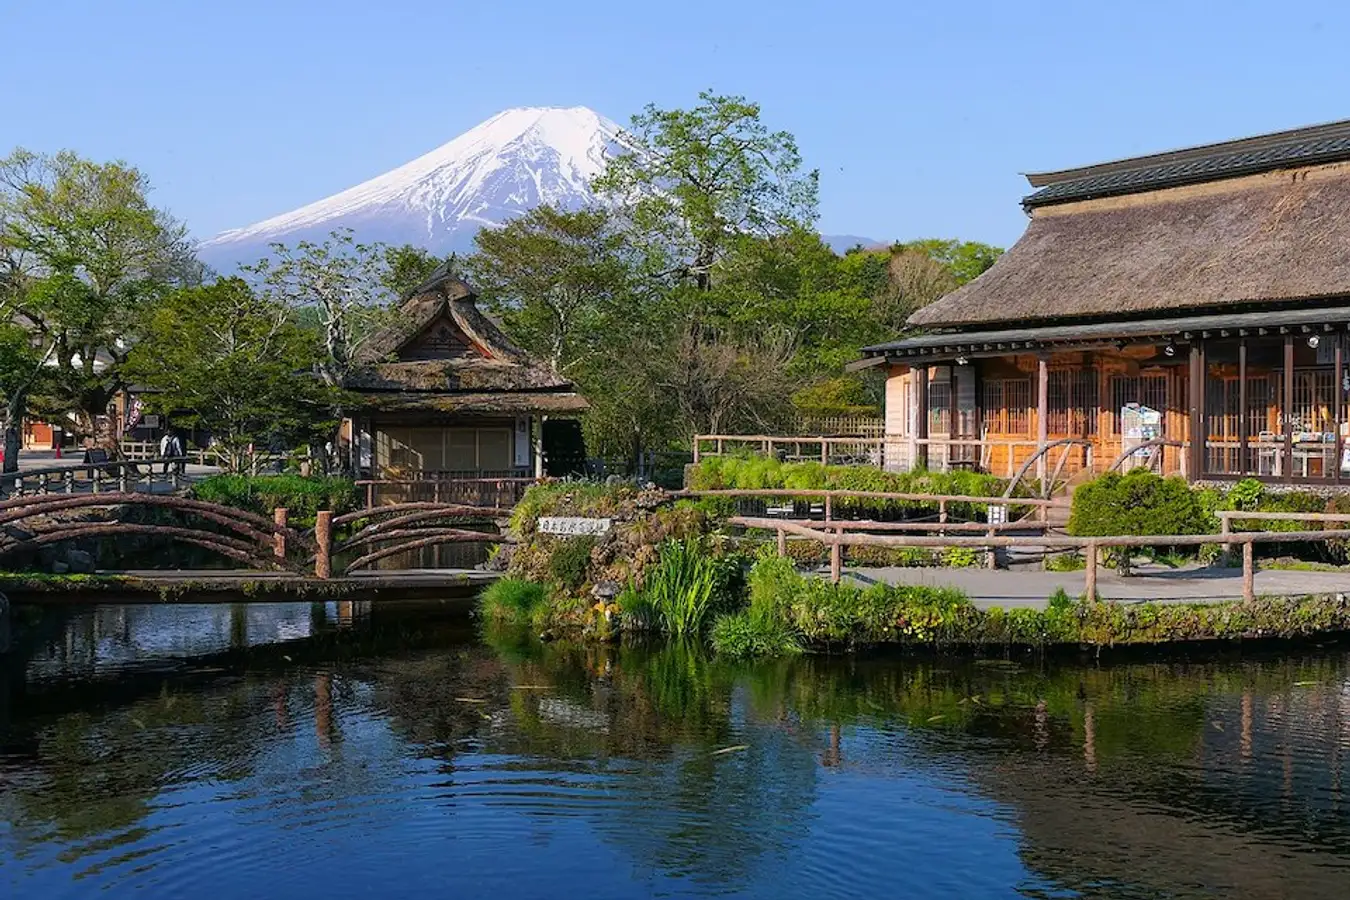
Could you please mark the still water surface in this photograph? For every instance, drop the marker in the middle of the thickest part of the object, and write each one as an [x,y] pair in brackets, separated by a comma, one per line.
[334,751]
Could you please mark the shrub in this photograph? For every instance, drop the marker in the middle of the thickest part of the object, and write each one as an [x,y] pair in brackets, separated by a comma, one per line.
[743,634]
[512,601]
[763,473]
[1065,562]
[570,561]
[302,496]
[1139,502]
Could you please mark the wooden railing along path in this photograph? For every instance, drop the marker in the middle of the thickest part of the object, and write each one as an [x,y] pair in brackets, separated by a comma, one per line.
[117,476]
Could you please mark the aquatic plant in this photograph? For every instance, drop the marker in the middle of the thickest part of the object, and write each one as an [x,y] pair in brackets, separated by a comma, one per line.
[684,586]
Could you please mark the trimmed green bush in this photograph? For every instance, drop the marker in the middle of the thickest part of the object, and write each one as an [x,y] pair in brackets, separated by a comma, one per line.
[303,496]
[763,473]
[1139,502]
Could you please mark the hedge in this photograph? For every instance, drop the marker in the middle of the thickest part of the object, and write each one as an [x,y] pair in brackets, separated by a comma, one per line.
[261,494]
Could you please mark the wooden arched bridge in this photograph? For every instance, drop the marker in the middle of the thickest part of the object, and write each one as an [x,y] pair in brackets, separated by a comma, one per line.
[337,551]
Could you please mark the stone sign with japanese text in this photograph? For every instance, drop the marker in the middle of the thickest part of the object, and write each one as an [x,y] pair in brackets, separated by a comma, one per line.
[573,525]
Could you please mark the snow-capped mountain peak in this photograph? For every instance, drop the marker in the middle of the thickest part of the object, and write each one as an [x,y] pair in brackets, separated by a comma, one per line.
[514,161]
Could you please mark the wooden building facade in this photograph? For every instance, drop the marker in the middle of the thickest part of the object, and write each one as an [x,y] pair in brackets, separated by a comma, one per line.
[1188,310]
[443,395]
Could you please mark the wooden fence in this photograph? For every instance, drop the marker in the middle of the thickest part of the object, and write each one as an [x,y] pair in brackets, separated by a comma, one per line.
[119,476]
[838,535]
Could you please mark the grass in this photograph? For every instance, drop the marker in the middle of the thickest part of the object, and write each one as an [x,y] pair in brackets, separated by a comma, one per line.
[512,601]
[1065,562]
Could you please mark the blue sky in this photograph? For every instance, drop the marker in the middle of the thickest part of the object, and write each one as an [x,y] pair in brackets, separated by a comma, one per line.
[919,115]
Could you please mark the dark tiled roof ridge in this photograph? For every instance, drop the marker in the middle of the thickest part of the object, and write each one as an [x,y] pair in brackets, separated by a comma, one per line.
[1212,162]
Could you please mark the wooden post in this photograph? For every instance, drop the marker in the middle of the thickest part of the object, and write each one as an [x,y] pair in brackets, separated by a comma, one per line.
[697,443]
[824,452]
[836,560]
[1244,427]
[1090,572]
[991,555]
[1338,411]
[323,539]
[920,460]
[1248,571]
[279,516]
[1195,388]
[829,508]
[1225,527]
[122,478]
[537,426]
[782,542]
[1287,406]
[1042,417]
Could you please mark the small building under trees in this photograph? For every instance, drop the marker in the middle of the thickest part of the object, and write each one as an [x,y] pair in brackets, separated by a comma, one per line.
[1188,309]
[442,394]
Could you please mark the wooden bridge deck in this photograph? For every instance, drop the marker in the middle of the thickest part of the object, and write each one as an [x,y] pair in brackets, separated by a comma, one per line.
[245,586]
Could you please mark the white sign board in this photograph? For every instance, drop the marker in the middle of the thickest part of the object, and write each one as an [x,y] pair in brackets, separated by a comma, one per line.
[998,514]
[573,525]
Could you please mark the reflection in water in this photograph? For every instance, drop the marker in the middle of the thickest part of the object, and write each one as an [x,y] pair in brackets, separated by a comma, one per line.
[319,751]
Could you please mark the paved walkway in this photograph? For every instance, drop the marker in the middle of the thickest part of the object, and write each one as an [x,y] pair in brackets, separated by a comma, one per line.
[989,588]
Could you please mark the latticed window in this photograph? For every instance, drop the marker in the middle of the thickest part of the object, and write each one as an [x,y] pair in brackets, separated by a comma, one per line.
[1006,403]
[1071,397]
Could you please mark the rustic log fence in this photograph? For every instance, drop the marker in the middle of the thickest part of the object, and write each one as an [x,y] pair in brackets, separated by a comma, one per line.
[840,537]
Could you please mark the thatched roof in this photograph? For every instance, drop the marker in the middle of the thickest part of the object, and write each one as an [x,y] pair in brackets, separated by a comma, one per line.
[442,354]
[1272,237]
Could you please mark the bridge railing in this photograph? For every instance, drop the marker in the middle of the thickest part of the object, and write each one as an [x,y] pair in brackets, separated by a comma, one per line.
[116,476]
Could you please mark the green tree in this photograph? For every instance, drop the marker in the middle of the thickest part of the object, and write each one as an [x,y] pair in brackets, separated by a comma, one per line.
[85,253]
[235,364]
[341,285]
[694,182]
[555,277]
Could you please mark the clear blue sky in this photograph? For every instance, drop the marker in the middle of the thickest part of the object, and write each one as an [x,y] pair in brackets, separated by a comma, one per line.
[919,115]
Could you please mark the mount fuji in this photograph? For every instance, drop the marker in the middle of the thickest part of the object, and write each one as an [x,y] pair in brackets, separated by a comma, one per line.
[513,162]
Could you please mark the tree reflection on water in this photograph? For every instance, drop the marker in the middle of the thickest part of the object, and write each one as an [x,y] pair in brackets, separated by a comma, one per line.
[1221,776]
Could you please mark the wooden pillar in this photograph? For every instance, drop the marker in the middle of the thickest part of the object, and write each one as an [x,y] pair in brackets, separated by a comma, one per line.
[1248,571]
[1090,572]
[279,517]
[1195,388]
[1042,417]
[537,438]
[1338,412]
[323,539]
[921,411]
[836,561]
[1244,427]
[782,542]
[1288,407]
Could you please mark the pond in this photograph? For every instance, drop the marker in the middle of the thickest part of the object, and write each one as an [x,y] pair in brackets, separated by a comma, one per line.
[348,750]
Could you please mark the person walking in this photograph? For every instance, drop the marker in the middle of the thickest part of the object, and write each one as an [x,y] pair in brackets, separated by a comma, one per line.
[176,451]
[166,449]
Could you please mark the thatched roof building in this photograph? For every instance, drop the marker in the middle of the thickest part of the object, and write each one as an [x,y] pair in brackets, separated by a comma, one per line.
[442,354]
[1193,285]
[442,393]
